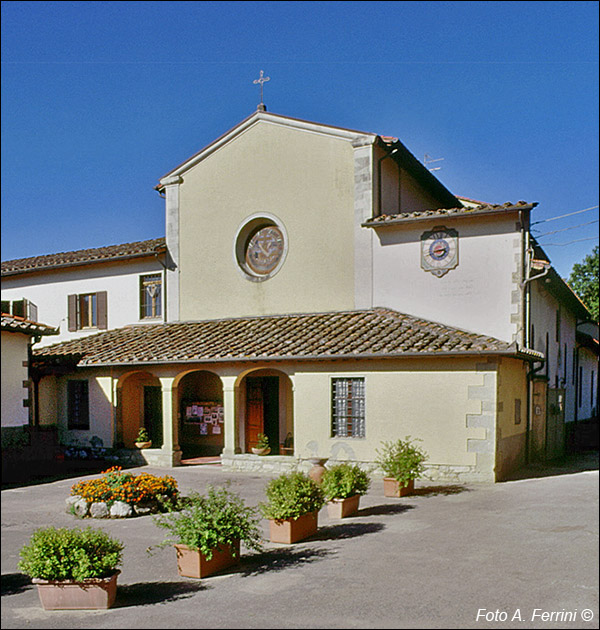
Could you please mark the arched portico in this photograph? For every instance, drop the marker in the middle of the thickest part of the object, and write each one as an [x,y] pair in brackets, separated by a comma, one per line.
[265,405]
[200,413]
[139,405]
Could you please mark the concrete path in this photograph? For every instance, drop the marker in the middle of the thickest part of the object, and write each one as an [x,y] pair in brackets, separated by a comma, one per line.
[520,554]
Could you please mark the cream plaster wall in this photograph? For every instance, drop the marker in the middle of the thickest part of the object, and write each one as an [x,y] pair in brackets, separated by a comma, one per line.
[511,435]
[49,292]
[429,400]
[48,400]
[14,352]
[304,179]
[480,295]
[101,404]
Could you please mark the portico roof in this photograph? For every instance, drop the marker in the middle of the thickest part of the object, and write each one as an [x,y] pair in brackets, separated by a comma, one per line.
[366,334]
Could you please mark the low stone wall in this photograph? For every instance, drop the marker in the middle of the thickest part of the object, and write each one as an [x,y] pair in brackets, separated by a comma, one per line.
[279,464]
[79,507]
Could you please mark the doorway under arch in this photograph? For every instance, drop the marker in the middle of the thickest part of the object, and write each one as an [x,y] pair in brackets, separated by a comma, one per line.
[265,405]
[140,406]
[201,417]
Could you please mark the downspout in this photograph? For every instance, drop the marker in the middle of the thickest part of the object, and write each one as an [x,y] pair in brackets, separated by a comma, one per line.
[526,319]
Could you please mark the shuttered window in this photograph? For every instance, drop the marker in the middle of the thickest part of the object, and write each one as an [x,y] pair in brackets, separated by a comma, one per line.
[88,310]
[348,407]
[78,405]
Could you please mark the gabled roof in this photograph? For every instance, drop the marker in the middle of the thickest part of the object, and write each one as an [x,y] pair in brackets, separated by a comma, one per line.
[367,334]
[400,153]
[255,117]
[80,257]
[385,220]
[12,323]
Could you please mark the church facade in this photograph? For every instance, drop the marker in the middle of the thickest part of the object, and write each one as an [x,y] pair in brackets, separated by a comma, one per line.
[318,285]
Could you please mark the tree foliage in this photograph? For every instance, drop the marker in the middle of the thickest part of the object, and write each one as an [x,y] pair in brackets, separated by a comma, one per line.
[584,281]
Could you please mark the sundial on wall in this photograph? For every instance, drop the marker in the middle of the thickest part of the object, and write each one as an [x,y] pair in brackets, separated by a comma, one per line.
[439,250]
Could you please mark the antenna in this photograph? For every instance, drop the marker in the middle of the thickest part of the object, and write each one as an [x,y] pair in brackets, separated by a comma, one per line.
[427,159]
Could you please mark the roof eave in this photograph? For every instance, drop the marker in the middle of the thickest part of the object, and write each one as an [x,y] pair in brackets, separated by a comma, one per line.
[509,353]
[84,263]
[432,217]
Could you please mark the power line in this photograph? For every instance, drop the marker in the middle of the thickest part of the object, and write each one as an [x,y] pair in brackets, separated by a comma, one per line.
[565,215]
[579,240]
[568,228]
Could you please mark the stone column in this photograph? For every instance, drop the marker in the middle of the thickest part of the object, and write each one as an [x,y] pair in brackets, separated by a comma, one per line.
[170,453]
[229,395]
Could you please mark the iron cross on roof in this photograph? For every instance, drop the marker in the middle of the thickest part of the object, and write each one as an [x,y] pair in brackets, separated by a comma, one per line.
[261,80]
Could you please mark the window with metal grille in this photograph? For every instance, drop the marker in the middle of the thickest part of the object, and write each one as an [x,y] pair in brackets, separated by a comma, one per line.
[348,407]
[78,405]
[150,296]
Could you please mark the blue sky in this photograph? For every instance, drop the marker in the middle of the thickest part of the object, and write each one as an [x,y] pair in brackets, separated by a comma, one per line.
[100,99]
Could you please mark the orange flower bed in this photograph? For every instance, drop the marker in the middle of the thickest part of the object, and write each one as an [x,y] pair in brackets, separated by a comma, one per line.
[117,485]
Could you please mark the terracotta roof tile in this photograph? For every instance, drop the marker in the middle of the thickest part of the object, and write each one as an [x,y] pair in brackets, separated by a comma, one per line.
[12,323]
[391,219]
[366,334]
[82,257]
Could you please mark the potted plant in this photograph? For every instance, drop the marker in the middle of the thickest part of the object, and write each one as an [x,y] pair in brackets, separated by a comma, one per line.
[206,531]
[402,462]
[143,439]
[292,507]
[262,446]
[343,484]
[73,568]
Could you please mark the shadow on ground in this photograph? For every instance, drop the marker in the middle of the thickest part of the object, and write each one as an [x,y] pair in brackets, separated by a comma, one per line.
[346,530]
[68,470]
[431,491]
[568,465]
[384,508]
[279,559]
[148,593]
[15,583]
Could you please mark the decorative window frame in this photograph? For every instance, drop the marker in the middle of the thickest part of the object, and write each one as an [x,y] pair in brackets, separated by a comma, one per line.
[143,282]
[249,226]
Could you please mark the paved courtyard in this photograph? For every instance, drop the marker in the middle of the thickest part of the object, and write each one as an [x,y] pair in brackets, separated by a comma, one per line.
[520,554]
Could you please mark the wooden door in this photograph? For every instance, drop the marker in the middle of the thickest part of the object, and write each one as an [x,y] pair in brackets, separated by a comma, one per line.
[254,411]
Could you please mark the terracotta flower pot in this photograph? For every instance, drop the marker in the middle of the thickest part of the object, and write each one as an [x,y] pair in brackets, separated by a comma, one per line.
[340,508]
[391,488]
[93,593]
[318,469]
[293,530]
[192,563]
[144,444]
[261,451]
